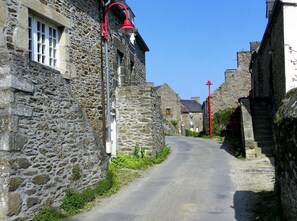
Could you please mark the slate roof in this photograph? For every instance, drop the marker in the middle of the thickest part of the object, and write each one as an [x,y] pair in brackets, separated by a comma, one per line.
[157,87]
[190,106]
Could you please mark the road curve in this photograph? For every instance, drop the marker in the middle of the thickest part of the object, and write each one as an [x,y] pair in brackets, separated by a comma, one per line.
[193,184]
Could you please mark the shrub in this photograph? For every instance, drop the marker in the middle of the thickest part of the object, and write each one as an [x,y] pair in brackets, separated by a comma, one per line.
[220,121]
[190,133]
[226,123]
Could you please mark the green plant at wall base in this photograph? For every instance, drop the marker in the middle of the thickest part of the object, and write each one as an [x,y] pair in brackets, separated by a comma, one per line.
[122,170]
[174,123]
[136,150]
[220,121]
[226,123]
[75,172]
[75,201]
[142,153]
[48,214]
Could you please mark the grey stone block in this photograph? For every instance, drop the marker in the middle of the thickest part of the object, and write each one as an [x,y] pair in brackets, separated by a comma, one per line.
[9,81]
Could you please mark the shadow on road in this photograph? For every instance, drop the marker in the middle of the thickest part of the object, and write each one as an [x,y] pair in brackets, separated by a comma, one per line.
[228,148]
[244,205]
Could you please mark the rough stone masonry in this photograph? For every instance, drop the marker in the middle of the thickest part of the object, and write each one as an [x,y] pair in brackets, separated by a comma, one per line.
[51,119]
[286,154]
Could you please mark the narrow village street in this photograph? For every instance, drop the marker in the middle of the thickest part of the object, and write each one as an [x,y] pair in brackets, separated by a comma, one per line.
[201,180]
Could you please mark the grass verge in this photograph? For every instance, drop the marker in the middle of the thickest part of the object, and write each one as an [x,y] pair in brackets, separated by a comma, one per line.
[122,170]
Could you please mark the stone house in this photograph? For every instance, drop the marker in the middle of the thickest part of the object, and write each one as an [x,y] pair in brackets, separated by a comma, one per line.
[237,84]
[274,83]
[52,99]
[273,65]
[191,115]
[170,108]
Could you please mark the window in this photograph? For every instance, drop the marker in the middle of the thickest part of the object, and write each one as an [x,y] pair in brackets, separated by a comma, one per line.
[168,111]
[43,42]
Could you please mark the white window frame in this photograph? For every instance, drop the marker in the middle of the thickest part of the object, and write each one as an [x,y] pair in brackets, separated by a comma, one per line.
[34,43]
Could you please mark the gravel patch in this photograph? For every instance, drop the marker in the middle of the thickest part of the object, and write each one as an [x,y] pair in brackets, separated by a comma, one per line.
[253,175]
[250,177]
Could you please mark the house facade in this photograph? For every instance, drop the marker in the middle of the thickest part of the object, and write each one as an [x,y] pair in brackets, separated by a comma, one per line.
[170,108]
[52,86]
[273,64]
[191,115]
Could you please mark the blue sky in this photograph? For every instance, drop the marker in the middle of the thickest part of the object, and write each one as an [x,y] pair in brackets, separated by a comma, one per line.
[194,41]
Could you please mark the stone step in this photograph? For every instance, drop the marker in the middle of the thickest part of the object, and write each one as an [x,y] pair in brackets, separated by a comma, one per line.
[265,150]
[262,125]
[264,143]
[262,128]
[262,122]
[263,136]
[262,115]
[268,118]
[268,150]
[263,112]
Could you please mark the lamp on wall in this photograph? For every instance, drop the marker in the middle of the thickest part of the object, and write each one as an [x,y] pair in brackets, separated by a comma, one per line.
[127,28]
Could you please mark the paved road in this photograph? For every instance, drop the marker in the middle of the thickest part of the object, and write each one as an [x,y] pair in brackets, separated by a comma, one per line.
[193,184]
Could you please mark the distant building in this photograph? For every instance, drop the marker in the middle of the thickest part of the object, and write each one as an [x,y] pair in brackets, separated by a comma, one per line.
[191,115]
[170,108]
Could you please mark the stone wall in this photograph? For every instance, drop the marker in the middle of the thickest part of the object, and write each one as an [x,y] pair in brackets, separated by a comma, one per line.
[44,135]
[140,105]
[286,154]
[51,119]
[237,84]
[247,131]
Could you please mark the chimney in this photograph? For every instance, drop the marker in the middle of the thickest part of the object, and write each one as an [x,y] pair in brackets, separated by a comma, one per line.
[196,99]
[269,7]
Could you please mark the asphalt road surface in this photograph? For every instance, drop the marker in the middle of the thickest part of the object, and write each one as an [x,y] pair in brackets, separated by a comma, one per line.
[194,183]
